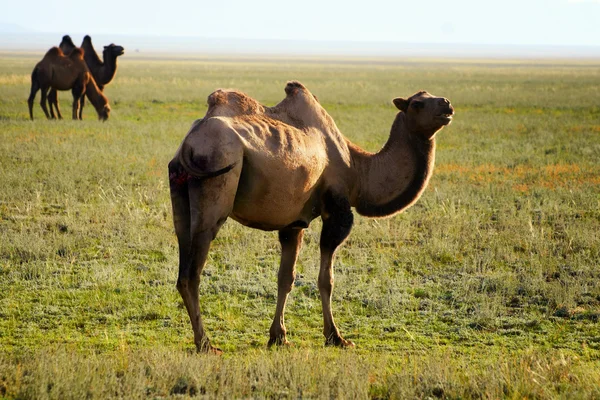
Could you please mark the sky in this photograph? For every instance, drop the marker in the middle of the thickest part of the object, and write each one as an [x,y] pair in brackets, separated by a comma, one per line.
[508,22]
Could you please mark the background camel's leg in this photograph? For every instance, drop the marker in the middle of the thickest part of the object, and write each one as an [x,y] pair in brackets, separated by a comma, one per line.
[53,99]
[78,92]
[291,241]
[34,88]
[81,104]
[43,102]
[200,207]
[337,223]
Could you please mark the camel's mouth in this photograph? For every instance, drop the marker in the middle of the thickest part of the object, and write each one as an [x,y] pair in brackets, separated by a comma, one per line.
[445,118]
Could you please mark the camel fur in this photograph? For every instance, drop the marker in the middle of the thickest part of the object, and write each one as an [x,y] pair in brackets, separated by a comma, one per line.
[278,168]
[102,71]
[61,72]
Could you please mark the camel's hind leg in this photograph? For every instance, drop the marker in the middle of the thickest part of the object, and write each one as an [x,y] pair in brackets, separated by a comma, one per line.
[43,102]
[337,223]
[34,88]
[291,241]
[53,100]
[200,207]
[81,104]
[78,92]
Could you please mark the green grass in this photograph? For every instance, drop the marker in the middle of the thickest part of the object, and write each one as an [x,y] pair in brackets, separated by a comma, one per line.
[487,287]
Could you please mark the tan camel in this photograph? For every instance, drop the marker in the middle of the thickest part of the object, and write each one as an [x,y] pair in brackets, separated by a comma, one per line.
[278,168]
[102,71]
[61,72]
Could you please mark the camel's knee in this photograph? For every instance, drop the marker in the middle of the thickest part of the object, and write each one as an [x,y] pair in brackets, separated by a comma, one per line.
[286,282]
[182,285]
[185,284]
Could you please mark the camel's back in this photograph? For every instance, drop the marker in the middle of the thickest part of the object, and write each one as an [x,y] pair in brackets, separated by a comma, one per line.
[60,71]
[259,137]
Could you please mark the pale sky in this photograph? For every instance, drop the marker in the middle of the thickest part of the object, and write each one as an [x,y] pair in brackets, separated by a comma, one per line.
[523,22]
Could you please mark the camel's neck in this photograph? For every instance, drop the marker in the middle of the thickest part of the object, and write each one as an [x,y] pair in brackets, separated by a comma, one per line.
[395,177]
[109,69]
[103,70]
[96,97]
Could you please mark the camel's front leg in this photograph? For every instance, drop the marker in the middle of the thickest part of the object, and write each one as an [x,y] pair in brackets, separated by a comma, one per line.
[337,223]
[291,241]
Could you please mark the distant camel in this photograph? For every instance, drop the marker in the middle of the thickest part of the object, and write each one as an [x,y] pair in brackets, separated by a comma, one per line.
[102,71]
[61,72]
[278,168]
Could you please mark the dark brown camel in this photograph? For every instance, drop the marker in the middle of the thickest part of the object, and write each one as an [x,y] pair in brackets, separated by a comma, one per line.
[102,71]
[278,169]
[61,72]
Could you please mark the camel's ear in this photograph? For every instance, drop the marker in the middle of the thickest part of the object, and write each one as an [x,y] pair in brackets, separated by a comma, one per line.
[401,104]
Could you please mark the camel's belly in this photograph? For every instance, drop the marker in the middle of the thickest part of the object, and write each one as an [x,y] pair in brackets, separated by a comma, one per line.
[274,198]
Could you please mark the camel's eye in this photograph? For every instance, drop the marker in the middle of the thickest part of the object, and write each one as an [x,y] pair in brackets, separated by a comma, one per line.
[416,104]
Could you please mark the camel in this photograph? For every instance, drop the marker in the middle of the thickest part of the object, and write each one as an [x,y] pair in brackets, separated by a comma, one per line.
[279,168]
[102,71]
[61,72]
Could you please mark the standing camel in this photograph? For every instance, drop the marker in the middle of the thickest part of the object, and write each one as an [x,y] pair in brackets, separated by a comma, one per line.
[278,169]
[102,71]
[61,72]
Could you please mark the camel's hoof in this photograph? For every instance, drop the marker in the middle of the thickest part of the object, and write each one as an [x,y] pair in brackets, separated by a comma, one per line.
[279,342]
[207,348]
[339,341]
[211,350]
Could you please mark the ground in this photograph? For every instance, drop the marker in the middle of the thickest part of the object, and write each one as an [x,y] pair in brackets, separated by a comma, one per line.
[487,287]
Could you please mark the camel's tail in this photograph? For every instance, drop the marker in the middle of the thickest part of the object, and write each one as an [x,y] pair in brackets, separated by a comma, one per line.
[183,168]
[196,172]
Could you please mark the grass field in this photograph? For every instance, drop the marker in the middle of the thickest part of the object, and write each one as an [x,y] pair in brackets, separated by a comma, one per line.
[487,288]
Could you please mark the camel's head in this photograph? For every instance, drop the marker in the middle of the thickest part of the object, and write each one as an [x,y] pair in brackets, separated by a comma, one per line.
[426,113]
[104,113]
[67,45]
[113,50]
